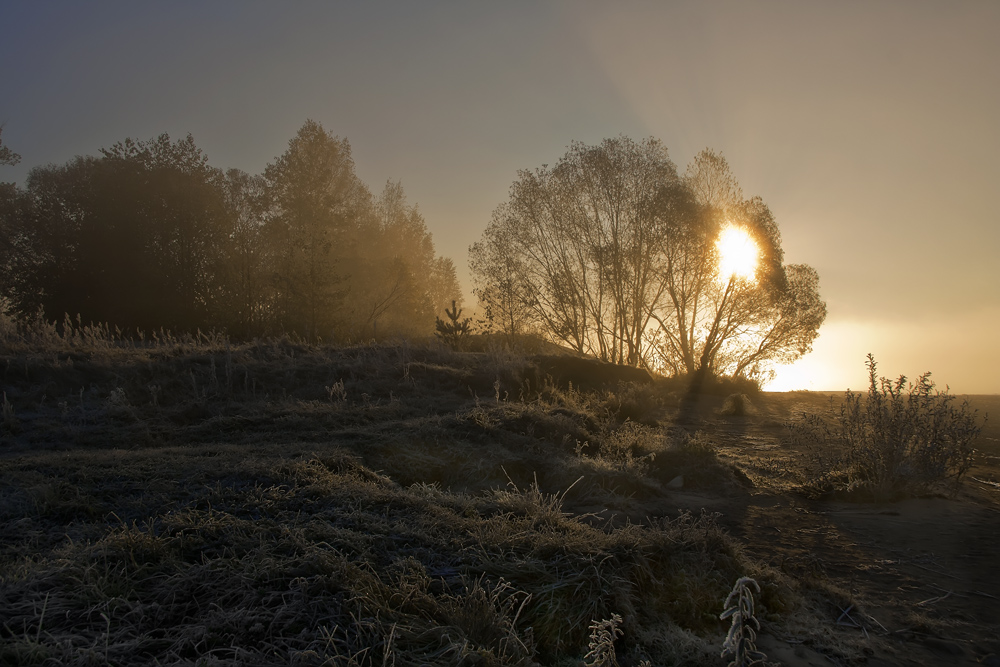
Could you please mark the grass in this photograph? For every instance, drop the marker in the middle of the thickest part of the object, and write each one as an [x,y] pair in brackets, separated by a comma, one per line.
[279,503]
[316,557]
[193,501]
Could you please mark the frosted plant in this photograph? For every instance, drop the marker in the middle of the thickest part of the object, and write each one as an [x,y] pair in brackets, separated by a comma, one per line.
[739,642]
[602,643]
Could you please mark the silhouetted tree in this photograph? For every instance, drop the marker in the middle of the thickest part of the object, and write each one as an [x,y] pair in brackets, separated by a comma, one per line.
[317,202]
[7,156]
[11,247]
[614,254]
[8,215]
[148,235]
[44,225]
[455,329]
[397,283]
[724,325]
[246,285]
[172,209]
[506,294]
[571,251]
[131,238]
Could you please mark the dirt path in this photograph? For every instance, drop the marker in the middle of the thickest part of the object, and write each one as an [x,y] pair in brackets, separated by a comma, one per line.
[921,574]
[914,582]
[907,583]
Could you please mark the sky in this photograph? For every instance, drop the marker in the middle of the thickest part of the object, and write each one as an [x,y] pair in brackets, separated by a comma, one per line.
[869,128]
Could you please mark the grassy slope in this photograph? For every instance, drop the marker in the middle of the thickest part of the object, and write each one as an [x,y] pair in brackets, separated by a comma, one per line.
[287,504]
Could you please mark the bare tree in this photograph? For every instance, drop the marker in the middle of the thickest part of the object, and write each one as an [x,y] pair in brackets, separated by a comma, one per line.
[398,285]
[613,254]
[506,295]
[724,324]
[571,250]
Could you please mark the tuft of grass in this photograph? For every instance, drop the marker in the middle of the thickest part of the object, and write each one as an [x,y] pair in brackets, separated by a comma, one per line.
[337,393]
[630,448]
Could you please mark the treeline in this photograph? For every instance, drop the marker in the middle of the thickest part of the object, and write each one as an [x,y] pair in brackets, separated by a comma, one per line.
[149,236]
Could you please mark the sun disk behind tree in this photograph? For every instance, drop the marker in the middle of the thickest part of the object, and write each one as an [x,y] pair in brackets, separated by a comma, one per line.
[738,254]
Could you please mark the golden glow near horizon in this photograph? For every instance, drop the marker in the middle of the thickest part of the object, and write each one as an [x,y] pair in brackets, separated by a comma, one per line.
[737,254]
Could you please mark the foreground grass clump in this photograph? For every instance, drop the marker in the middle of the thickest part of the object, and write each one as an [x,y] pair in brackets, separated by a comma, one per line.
[320,560]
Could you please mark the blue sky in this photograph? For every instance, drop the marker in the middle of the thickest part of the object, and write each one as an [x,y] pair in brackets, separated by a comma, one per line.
[869,128]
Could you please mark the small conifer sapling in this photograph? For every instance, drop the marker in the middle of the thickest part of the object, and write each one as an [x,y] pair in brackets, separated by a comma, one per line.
[456,329]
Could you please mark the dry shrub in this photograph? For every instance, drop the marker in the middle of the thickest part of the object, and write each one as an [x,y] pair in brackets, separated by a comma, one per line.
[905,437]
[541,508]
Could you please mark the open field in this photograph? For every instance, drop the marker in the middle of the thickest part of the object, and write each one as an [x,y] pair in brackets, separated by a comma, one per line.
[279,503]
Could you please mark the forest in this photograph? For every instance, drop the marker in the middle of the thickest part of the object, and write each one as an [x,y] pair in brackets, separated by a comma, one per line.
[148,237]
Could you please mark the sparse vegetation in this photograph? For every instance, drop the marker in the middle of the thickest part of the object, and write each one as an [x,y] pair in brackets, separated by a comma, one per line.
[906,436]
[898,439]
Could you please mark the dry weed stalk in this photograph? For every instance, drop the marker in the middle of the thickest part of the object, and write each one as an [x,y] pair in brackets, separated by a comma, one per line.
[601,647]
[337,392]
[739,643]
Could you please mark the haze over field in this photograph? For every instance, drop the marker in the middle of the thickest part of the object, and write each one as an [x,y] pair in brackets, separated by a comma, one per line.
[869,130]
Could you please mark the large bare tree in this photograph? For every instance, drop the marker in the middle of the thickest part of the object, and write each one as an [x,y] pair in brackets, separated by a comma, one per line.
[571,250]
[614,254]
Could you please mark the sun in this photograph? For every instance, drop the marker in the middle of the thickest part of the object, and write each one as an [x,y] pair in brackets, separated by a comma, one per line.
[738,254]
